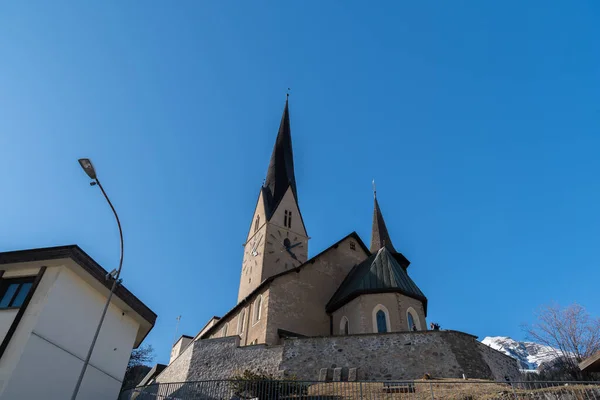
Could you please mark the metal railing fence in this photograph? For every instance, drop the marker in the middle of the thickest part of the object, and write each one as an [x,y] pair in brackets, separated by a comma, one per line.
[433,389]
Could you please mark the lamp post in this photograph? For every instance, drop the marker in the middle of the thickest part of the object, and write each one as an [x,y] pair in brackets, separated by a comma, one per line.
[87,166]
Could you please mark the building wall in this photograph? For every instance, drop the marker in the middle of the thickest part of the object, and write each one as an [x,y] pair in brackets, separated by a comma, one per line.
[270,259]
[297,300]
[254,331]
[208,325]
[6,319]
[391,356]
[178,347]
[359,313]
[220,359]
[18,342]
[251,271]
[276,259]
[177,370]
[398,356]
[53,339]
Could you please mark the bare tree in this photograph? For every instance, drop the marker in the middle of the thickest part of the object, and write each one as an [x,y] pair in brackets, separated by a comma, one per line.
[143,355]
[570,331]
[138,366]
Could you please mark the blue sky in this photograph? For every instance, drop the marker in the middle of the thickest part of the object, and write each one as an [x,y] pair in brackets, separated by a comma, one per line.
[478,120]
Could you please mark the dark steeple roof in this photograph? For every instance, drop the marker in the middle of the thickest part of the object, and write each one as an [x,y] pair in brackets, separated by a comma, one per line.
[379,233]
[381,238]
[379,273]
[280,174]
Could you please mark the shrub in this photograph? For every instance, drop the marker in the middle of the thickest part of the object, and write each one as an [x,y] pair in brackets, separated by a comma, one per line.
[263,386]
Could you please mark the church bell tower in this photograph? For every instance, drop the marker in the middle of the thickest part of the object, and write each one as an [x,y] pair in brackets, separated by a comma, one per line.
[277,240]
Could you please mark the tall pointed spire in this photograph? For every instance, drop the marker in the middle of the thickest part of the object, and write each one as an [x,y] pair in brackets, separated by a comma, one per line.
[280,174]
[379,233]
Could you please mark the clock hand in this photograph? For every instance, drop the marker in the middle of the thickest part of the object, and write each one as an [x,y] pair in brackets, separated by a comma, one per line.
[256,244]
[292,254]
[294,245]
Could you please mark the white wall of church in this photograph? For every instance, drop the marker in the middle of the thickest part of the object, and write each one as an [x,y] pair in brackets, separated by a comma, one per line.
[53,339]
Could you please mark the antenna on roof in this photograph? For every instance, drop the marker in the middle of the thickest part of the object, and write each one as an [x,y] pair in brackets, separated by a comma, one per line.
[374,189]
[176,328]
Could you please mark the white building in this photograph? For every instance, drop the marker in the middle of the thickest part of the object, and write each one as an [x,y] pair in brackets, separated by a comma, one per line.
[51,300]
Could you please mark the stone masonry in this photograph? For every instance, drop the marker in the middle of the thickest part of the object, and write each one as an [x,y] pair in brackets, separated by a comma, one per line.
[391,356]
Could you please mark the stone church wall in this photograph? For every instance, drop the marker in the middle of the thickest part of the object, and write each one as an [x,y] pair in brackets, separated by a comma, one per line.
[391,356]
[221,358]
[398,356]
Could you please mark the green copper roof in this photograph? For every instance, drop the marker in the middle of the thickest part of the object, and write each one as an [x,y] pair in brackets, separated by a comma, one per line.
[379,273]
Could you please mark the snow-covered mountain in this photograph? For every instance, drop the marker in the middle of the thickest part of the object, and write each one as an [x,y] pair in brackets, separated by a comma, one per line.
[529,355]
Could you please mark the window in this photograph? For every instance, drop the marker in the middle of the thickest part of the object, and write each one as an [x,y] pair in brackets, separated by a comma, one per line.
[381,319]
[344,326]
[412,319]
[256,223]
[381,325]
[241,320]
[14,291]
[411,323]
[352,246]
[287,219]
[257,309]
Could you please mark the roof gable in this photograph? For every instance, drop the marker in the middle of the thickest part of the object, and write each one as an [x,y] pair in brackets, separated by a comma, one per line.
[267,282]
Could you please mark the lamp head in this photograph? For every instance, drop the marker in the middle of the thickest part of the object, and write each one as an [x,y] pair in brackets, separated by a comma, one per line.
[87,166]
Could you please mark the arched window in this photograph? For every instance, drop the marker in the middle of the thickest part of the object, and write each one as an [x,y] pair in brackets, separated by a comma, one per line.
[257,309]
[412,319]
[256,223]
[411,323]
[344,326]
[381,325]
[241,320]
[381,319]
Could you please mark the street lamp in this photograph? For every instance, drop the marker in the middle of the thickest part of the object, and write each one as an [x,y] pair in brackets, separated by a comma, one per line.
[87,166]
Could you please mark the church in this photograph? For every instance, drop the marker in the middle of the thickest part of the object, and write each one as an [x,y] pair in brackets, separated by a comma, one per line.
[348,288]
[352,311]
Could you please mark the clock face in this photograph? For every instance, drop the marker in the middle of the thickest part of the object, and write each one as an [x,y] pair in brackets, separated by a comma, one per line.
[252,252]
[286,248]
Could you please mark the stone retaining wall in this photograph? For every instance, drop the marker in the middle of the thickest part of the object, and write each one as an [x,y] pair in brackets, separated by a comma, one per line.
[391,356]
[398,356]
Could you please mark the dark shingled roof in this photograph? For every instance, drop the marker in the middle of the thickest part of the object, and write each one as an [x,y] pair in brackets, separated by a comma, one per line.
[380,273]
[280,174]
